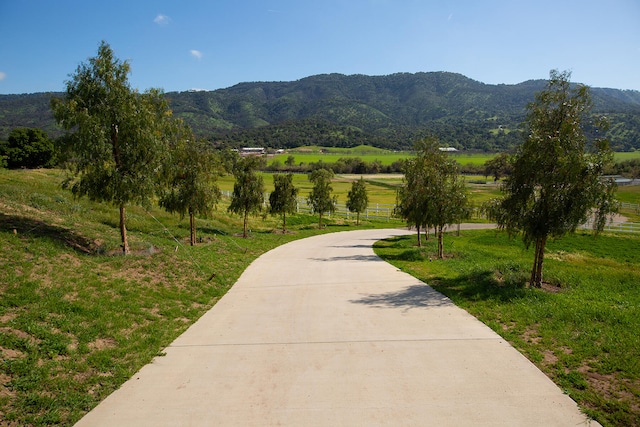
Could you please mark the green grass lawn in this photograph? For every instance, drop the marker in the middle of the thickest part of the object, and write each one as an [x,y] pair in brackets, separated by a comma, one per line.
[582,330]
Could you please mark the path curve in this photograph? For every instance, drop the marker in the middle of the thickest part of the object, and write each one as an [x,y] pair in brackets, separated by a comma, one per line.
[322,332]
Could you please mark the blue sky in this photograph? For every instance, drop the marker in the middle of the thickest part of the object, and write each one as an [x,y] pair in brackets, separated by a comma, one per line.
[183,45]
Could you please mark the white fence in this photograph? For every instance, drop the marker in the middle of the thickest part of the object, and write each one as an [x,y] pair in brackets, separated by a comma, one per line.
[379,211]
[619,227]
[631,206]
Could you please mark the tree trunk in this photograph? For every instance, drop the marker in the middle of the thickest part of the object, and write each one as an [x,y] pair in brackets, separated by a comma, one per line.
[440,242]
[320,221]
[192,227]
[536,270]
[246,221]
[123,231]
[357,218]
[419,240]
[284,222]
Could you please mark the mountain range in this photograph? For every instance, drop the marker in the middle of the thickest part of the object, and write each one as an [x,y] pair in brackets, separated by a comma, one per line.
[339,110]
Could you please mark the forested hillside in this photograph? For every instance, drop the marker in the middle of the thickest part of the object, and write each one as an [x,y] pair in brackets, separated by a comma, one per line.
[338,110]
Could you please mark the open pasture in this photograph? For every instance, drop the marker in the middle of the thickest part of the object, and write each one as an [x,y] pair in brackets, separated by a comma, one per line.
[381,188]
[307,155]
[620,157]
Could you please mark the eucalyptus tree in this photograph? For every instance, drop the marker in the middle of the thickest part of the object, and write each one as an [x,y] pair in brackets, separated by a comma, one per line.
[433,194]
[357,198]
[284,198]
[116,136]
[320,198]
[411,201]
[556,182]
[190,174]
[445,194]
[248,190]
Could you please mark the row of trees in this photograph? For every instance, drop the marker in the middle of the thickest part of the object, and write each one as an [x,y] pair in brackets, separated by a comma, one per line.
[554,181]
[124,147]
[248,194]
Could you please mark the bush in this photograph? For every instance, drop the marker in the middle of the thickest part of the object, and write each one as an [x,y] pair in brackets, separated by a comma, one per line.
[28,148]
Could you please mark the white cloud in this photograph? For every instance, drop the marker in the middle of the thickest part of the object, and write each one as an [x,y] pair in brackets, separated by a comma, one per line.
[196,53]
[2,76]
[162,19]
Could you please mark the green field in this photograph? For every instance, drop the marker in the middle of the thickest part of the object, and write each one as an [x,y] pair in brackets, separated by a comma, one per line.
[309,155]
[313,154]
[619,157]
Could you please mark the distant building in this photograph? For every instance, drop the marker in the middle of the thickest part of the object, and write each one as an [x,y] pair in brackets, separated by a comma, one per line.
[448,149]
[257,151]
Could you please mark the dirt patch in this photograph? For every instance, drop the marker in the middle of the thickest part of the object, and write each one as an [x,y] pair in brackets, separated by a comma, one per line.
[531,335]
[7,317]
[613,388]
[102,343]
[551,287]
[549,357]
[11,354]
[4,391]
[20,334]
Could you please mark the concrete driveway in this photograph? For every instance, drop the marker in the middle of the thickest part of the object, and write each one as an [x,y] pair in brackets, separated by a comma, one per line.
[321,332]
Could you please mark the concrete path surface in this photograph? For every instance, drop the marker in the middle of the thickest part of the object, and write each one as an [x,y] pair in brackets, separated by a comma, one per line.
[321,332]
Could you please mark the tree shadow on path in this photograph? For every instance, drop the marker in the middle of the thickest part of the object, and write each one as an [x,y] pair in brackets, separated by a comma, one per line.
[414,296]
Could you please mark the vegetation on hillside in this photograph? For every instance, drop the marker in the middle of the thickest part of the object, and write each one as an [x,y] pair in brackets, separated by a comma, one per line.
[337,110]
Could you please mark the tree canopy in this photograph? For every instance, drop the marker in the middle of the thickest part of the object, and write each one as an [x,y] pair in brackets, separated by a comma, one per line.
[357,198]
[556,182]
[190,174]
[248,190]
[117,136]
[284,198]
[320,199]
